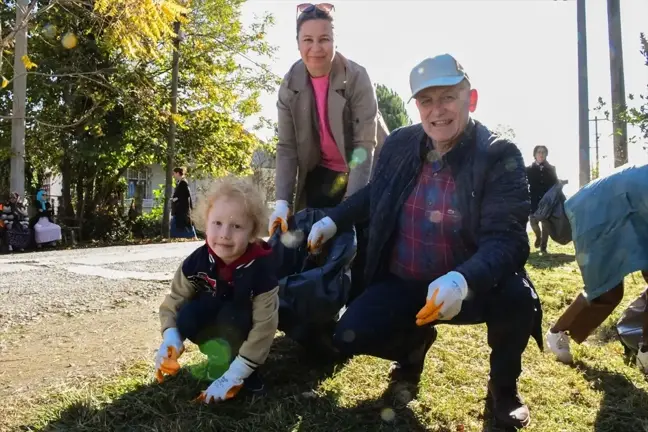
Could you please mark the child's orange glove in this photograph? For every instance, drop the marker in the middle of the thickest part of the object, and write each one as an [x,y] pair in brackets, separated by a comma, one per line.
[169,364]
[166,360]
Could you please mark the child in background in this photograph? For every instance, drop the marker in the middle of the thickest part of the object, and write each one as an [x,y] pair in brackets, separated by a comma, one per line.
[224,297]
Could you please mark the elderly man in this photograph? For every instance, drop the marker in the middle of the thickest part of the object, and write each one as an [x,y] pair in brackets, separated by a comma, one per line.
[447,210]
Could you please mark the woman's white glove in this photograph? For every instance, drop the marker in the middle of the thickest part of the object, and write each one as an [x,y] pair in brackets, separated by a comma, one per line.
[322,231]
[279,217]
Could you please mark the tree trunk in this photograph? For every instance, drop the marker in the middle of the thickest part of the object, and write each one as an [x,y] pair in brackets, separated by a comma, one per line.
[80,211]
[66,194]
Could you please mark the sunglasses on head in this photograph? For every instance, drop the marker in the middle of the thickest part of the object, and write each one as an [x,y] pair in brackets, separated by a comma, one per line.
[309,7]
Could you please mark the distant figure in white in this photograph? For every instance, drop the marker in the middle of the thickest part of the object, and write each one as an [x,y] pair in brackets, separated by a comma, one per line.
[45,230]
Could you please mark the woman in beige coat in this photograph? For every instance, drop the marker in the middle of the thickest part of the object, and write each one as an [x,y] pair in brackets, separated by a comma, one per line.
[328,122]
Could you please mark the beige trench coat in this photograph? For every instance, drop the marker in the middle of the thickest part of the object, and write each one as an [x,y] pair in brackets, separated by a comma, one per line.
[353,117]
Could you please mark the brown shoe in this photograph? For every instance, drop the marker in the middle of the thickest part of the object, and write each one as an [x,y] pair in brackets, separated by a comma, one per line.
[507,406]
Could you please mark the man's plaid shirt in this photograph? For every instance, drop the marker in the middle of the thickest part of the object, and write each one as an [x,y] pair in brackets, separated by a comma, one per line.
[428,226]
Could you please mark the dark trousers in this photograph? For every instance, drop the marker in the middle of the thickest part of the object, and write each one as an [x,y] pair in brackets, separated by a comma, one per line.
[325,188]
[381,322]
[541,232]
[217,326]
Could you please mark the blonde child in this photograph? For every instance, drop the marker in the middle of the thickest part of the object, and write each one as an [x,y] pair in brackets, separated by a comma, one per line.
[225,294]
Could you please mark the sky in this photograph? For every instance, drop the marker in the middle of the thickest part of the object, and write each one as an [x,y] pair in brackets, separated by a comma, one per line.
[521,56]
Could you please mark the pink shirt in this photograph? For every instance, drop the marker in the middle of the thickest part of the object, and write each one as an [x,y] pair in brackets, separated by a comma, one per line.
[331,157]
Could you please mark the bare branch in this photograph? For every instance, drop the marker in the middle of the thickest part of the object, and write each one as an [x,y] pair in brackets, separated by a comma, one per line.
[19,26]
[5,42]
[63,75]
[71,125]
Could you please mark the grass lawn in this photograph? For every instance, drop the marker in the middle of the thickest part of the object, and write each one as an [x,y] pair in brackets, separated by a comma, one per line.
[601,393]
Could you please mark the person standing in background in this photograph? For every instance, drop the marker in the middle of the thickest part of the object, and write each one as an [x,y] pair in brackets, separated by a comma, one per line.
[542,177]
[327,122]
[328,125]
[181,206]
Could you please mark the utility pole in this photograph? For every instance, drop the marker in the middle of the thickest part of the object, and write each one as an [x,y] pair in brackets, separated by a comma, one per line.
[618,83]
[19,94]
[583,96]
[168,190]
[596,138]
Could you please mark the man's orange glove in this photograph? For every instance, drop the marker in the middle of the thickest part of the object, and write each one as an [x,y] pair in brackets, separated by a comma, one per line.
[444,298]
[166,360]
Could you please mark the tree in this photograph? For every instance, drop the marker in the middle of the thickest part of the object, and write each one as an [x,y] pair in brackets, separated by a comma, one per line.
[392,108]
[98,109]
[634,115]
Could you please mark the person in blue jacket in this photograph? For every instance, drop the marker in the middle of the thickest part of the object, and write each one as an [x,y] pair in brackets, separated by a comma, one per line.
[447,210]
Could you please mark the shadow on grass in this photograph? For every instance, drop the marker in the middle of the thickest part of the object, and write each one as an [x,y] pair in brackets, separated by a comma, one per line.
[541,261]
[624,406]
[606,333]
[290,404]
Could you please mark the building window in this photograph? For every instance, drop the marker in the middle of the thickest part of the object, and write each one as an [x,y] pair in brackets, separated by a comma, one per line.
[142,178]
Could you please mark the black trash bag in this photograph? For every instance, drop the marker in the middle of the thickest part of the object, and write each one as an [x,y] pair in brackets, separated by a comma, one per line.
[551,211]
[312,288]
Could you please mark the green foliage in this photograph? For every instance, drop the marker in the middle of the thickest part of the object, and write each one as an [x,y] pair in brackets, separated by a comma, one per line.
[392,108]
[149,225]
[101,107]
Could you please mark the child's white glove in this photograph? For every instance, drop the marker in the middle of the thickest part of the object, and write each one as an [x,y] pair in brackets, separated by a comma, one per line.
[166,359]
[228,385]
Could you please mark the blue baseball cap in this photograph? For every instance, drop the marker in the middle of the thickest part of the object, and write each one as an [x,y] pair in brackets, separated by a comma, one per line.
[440,71]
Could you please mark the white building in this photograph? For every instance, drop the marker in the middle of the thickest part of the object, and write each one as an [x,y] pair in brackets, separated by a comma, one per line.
[153,178]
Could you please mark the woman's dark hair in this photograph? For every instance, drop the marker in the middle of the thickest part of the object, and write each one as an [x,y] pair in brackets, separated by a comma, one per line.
[313,13]
[536,149]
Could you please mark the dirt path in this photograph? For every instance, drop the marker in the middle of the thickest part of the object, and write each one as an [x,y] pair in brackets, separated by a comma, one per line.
[59,350]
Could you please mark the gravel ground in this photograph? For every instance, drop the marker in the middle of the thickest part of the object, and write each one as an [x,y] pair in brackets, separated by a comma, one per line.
[163,265]
[36,285]
[33,295]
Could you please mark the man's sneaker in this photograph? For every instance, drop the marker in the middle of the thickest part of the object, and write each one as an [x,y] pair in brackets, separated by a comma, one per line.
[642,360]
[558,343]
[507,406]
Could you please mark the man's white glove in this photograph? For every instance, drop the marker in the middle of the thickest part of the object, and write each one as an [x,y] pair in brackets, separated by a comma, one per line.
[228,385]
[444,298]
[279,217]
[166,359]
[321,232]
